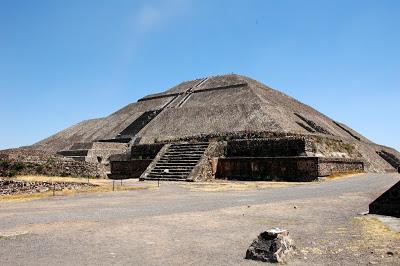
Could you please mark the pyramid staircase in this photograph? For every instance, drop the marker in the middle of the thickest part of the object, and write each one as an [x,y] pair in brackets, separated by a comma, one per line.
[138,124]
[177,163]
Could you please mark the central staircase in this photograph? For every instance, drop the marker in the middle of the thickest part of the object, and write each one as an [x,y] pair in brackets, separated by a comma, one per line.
[177,162]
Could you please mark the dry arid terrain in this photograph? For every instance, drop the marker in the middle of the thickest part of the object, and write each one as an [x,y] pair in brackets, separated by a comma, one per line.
[200,224]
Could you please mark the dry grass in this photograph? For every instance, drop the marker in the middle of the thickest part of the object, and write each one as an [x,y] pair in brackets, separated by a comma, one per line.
[344,175]
[237,186]
[101,185]
[40,178]
[375,236]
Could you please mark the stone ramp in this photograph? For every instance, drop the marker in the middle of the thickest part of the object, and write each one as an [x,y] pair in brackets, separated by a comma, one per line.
[178,162]
[388,203]
[138,124]
[390,158]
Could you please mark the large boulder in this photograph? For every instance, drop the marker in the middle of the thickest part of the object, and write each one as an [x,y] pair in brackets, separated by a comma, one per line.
[271,246]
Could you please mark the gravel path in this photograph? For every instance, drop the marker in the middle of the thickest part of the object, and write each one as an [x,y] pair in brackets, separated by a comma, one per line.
[173,225]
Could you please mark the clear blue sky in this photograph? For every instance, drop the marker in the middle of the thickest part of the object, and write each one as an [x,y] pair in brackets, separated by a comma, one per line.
[65,61]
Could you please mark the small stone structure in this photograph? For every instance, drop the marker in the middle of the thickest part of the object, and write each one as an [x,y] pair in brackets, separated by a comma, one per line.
[388,203]
[95,152]
[273,246]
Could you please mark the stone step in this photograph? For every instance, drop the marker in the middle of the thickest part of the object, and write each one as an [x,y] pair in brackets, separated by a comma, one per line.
[181,157]
[171,170]
[78,158]
[187,147]
[176,165]
[70,153]
[178,161]
[187,151]
[188,163]
[181,167]
[165,179]
[162,176]
[183,145]
[184,152]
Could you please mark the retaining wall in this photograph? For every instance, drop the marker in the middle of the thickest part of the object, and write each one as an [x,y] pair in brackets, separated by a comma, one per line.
[283,168]
[266,147]
[268,168]
[329,166]
[128,169]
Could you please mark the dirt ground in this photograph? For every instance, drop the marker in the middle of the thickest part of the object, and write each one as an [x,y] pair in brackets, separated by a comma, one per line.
[199,224]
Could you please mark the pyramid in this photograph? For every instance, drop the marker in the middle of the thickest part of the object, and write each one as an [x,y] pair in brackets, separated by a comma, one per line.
[217,108]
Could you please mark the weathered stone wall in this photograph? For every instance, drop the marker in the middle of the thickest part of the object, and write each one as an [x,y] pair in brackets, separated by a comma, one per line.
[128,169]
[284,168]
[330,166]
[268,168]
[145,151]
[388,203]
[266,147]
[204,169]
[101,151]
[32,162]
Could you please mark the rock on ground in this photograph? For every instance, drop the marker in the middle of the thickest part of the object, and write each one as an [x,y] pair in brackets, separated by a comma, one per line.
[271,246]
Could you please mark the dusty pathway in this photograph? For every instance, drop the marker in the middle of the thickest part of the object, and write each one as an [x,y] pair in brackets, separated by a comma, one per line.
[179,225]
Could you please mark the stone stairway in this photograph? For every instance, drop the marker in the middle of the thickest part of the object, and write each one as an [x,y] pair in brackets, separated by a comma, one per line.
[177,162]
[138,124]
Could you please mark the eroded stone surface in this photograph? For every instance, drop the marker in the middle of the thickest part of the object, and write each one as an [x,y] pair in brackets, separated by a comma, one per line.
[12,187]
[271,246]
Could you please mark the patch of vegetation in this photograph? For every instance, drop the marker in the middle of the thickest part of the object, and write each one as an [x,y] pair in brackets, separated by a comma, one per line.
[17,166]
[65,174]
[349,148]
[10,169]
[50,160]
[40,169]
[4,164]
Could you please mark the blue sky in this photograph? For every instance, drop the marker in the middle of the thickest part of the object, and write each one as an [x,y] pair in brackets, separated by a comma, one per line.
[65,61]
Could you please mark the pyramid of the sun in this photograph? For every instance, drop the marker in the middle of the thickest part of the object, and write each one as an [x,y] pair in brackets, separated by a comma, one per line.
[228,105]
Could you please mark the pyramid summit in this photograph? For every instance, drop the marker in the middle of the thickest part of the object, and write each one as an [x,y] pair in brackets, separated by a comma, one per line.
[229,116]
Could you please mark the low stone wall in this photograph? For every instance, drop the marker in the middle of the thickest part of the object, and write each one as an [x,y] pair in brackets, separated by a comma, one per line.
[284,168]
[54,166]
[128,169]
[329,166]
[275,147]
[268,168]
